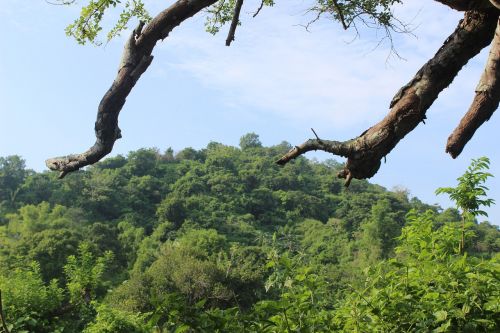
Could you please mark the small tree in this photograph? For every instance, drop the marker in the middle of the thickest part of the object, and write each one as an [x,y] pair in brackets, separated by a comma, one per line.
[470,193]
[84,274]
[250,140]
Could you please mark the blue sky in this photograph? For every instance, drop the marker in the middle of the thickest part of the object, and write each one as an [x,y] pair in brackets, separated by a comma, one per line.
[276,80]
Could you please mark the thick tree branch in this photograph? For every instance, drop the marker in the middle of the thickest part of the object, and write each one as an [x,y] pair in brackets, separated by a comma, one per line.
[484,104]
[234,22]
[135,61]
[410,104]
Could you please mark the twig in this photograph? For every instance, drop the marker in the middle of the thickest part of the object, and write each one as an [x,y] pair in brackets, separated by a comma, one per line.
[484,104]
[317,137]
[259,9]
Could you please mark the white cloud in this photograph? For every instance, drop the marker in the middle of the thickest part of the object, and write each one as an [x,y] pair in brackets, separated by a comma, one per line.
[278,67]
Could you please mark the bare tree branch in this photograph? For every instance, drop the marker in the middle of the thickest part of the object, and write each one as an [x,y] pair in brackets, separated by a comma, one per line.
[484,104]
[259,9]
[410,104]
[136,59]
[234,22]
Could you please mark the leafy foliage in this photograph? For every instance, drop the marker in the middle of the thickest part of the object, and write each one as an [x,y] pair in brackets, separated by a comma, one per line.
[428,286]
[110,320]
[29,301]
[84,273]
[371,13]
[368,12]
[221,240]
[89,24]
[470,193]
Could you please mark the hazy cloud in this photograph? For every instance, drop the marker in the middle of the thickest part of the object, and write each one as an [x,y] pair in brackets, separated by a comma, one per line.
[277,66]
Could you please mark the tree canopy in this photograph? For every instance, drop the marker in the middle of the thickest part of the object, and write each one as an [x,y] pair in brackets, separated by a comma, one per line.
[479,28]
[216,240]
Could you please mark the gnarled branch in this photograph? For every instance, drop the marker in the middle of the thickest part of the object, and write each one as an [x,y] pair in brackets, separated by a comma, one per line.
[410,104]
[484,104]
[136,59]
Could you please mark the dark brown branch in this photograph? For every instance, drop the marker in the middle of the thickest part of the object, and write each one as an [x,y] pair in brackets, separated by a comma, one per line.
[136,59]
[460,5]
[2,316]
[410,104]
[484,104]
[160,27]
[341,15]
[259,9]
[464,5]
[315,134]
[234,22]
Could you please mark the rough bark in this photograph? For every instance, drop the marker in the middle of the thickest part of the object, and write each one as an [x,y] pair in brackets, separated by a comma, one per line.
[484,104]
[410,104]
[135,61]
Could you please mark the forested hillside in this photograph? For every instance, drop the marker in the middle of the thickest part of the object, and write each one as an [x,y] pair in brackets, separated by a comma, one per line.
[223,240]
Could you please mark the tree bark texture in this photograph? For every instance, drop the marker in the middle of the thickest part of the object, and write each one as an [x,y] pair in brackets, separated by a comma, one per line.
[135,61]
[484,104]
[407,109]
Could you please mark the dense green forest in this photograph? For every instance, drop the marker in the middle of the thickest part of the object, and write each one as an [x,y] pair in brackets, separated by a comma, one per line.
[223,240]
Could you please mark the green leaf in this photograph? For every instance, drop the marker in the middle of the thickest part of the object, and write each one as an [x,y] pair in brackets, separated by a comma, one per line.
[443,327]
[440,315]
[183,328]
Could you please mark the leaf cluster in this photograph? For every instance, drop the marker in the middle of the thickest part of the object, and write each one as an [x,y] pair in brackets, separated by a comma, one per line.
[87,27]
[470,193]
